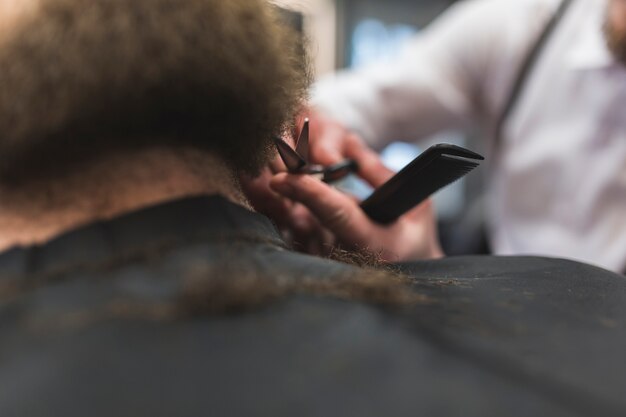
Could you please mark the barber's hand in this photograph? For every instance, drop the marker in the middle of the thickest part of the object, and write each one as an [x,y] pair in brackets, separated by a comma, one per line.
[331,143]
[298,226]
[412,236]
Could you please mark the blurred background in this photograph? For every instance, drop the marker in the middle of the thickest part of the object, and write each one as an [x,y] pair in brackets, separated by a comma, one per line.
[349,33]
[353,33]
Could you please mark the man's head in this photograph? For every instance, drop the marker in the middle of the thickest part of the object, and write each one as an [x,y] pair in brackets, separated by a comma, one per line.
[82,77]
[615,29]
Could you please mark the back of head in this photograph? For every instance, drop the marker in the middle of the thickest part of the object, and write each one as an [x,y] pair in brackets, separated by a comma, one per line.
[82,77]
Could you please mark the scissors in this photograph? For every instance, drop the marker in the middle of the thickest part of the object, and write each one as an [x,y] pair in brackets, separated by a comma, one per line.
[297,161]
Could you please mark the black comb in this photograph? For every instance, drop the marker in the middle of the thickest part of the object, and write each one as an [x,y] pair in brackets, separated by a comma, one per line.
[437,167]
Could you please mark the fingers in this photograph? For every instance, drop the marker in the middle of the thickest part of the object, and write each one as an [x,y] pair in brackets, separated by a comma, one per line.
[334,210]
[371,168]
[423,221]
[307,234]
[424,209]
[328,150]
[412,236]
[331,143]
[327,137]
[263,199]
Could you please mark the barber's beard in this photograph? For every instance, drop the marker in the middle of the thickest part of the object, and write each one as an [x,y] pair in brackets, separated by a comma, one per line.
[616,41]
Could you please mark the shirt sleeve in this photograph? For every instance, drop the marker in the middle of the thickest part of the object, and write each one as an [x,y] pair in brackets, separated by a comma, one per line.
[435,84]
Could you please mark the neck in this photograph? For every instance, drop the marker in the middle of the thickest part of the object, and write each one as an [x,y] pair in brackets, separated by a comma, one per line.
[38,211]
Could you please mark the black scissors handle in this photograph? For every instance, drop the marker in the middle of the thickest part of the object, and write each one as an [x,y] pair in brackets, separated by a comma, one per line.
[339,171]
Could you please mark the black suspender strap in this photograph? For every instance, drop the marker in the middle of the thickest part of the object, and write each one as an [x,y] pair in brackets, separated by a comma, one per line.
[526,69]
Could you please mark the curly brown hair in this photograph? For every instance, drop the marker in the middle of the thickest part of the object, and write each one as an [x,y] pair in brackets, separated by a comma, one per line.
[81,77]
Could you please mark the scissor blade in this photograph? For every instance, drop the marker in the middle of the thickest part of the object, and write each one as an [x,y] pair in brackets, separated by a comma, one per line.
[292,160]
[302,146]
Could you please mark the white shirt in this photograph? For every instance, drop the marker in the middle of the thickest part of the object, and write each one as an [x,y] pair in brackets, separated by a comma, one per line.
[558,184]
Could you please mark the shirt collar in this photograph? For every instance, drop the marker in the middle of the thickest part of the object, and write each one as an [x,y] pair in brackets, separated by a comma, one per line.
[589,50]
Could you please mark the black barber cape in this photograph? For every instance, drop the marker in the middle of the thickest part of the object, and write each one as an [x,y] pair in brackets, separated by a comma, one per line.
[82,333]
